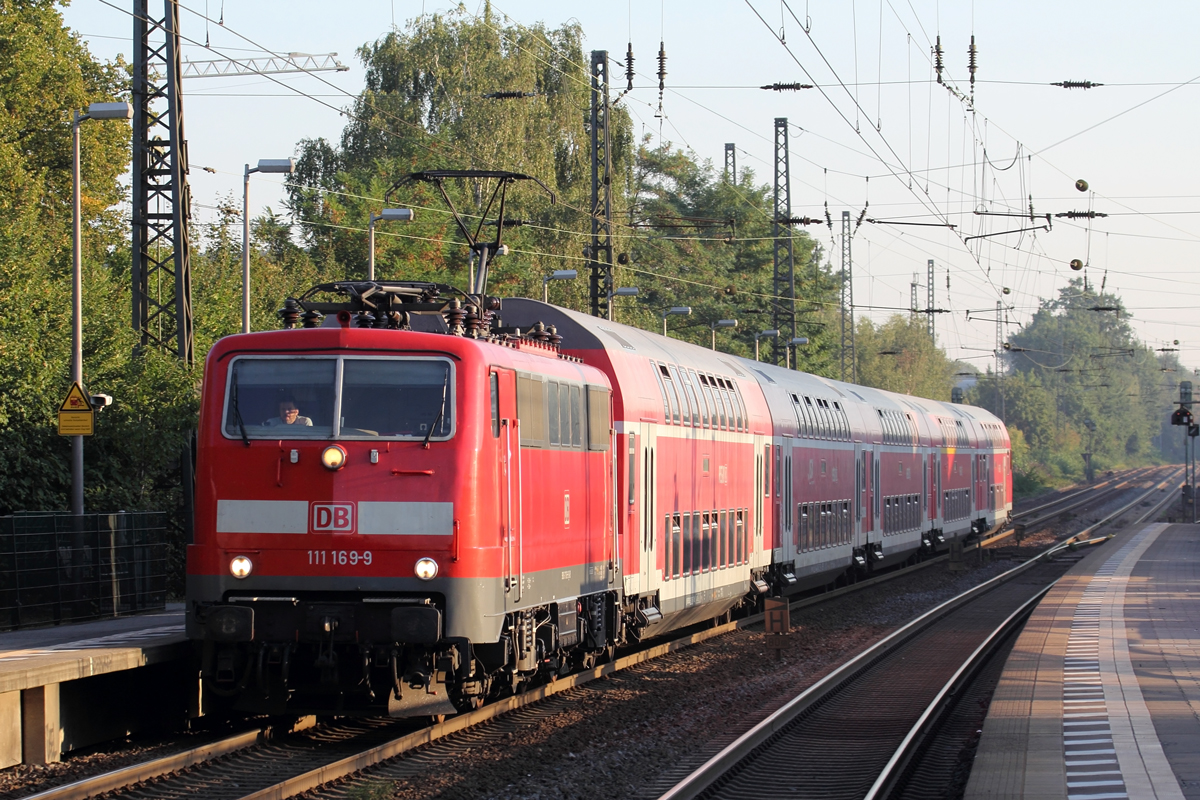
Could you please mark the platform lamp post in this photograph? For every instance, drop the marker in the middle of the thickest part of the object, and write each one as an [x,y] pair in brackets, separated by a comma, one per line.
[674,311]
[721,323]
[95,111]
[768,334]
[286,165]
[620,291]
[798,341]
[399,214]
[557,275]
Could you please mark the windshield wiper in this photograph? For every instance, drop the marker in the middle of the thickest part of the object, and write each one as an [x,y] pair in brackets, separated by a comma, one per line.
[441,413]
[237,414]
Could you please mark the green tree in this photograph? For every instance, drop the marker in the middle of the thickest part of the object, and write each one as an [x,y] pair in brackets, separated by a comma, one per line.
[1078,361]
[900,356]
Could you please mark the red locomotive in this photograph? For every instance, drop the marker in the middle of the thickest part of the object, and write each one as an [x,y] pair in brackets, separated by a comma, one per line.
[421,497]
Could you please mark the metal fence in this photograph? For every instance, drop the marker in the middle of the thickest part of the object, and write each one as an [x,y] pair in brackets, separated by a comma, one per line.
[57,568]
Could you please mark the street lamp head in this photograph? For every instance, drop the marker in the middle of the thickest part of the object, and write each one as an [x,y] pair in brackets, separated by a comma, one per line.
[677,311]
[625,291]
[277,165]
[799,340]
[563,275]
[110,111]
[725,323]
[397,214]
[769,334]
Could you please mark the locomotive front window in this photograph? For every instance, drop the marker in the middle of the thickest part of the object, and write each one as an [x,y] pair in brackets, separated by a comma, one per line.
[397,398]
[309,397]
[262,392]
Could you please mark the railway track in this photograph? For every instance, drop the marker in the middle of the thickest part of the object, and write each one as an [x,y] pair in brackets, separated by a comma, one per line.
[871,719]
[255,765]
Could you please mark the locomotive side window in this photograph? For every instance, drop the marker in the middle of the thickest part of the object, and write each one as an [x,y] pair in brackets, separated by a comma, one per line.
[531,411]
[494,382]
[599,418]
[552,412]
[576,417]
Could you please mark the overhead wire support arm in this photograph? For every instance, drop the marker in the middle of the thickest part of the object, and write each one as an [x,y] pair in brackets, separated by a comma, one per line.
[919,224]
[272,65]
[1005,233]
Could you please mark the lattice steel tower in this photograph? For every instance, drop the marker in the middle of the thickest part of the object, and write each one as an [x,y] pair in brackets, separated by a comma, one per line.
[847,315]
[783,301]
[600,263]
[162,279]
[730,163]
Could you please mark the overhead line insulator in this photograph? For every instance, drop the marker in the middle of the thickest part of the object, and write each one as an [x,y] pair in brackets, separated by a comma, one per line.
[799,221]
[1077,84]
[509,95]
[629,73]
[786,87]
[938,62]
[662,66]
[972,53]
[1080,214]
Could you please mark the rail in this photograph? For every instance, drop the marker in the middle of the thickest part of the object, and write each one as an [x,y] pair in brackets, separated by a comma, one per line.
[719,765]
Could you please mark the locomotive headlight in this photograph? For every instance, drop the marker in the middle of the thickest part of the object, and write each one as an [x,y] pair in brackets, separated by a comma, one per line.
[333,457]
[426,569]
[240,567]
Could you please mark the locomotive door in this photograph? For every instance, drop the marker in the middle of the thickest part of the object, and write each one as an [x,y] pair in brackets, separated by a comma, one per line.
[503,389]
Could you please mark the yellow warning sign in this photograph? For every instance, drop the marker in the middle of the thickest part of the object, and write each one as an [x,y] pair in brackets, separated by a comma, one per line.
[75,415]
[76,400]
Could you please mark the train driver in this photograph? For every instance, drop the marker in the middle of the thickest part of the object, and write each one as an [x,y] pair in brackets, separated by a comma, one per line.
[289,414]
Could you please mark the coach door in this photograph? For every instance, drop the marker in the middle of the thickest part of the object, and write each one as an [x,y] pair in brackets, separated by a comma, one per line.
[502,396]
[646,515]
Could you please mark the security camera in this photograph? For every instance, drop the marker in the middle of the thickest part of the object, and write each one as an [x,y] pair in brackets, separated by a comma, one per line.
[100,401]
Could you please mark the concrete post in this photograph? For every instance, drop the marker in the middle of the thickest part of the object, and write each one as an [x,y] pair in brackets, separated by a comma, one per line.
[41,729]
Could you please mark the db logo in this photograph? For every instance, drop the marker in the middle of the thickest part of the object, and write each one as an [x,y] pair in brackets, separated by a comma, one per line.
[332,517]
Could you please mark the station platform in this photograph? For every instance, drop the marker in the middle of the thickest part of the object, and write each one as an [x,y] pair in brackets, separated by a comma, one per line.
[1100,696]
[73,685]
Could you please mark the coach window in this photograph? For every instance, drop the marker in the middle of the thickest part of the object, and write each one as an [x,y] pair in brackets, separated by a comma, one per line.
[672,393]
[676,546]
[775,473]
[708,400]
[721,404]
[690,390]
[843,424]
[723,543]
[599,418]
[743,553]
[743,418]
[657,369]
[694,383]
[766,470]
[677,383]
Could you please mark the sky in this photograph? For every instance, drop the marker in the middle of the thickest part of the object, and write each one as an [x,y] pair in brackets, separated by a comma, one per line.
[876,133]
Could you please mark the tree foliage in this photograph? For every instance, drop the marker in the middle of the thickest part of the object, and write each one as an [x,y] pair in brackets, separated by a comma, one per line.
[1079,362]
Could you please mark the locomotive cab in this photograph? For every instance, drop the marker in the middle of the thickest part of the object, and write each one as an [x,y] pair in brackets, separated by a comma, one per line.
[328,512]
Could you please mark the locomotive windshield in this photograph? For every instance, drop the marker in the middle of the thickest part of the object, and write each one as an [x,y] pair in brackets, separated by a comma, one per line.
[313,397]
